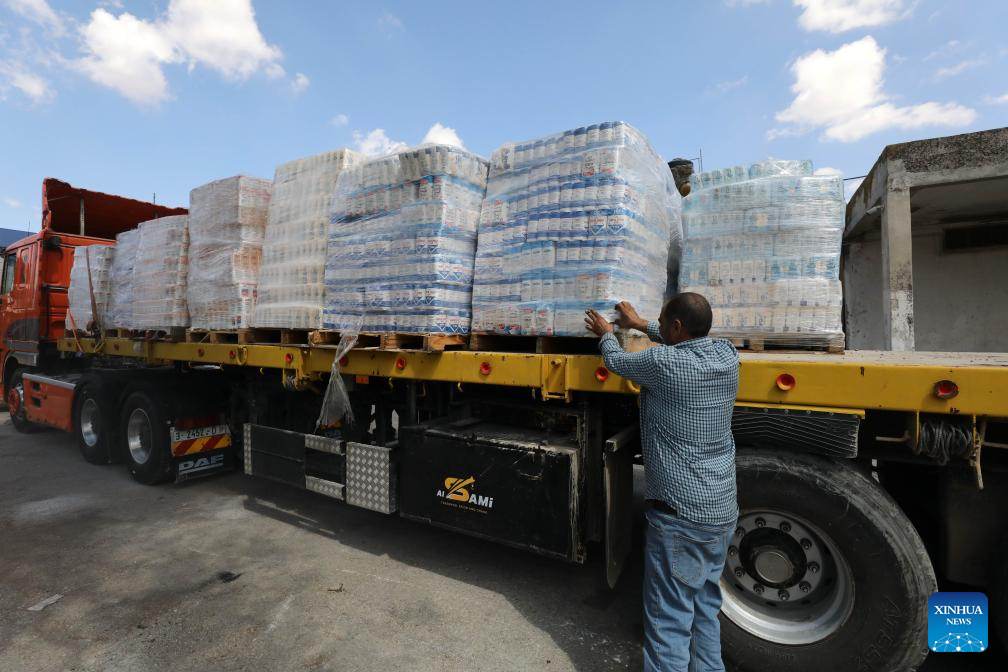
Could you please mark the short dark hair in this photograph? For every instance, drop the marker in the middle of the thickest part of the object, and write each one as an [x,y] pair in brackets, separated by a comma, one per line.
[692,310]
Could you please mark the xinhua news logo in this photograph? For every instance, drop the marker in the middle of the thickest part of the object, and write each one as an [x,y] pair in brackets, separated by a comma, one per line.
[957,622]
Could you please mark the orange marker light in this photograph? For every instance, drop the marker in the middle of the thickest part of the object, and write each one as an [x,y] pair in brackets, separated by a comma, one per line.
[400,363]
[231,354]
[945,389]
[288,358]
[344,360]
[200,352]
[485,369]
[785,382]
[601,374]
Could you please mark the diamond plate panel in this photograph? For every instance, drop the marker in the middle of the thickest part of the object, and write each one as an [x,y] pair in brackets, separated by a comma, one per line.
[323,444]
[247,447]
[324,487]
[370,477]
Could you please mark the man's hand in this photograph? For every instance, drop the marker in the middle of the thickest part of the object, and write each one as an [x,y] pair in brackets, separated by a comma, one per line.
[597,324]
[628,317]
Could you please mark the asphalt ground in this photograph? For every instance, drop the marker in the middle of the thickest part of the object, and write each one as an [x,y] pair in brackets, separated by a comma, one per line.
[235,573]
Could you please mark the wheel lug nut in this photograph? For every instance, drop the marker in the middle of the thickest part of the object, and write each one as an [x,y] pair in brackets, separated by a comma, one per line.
[760,522]
[758,589]
[804,586]
[806,544]
[813,567]
[785,527]
[732,551]
[783,595]
[739,572]
[740,531]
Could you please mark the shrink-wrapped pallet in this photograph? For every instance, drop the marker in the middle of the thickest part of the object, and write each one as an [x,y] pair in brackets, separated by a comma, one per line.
[90,278]
[227,223]
[580,219]
[402,242]
[763,245]
[292,277]
[159,278]
[120,309]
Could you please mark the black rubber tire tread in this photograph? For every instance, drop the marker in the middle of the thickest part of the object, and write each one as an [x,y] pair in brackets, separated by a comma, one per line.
[157,469]
[20,420]
[892,572]
[102,452]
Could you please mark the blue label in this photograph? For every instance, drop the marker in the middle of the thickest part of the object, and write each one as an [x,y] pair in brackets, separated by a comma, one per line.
[957,622]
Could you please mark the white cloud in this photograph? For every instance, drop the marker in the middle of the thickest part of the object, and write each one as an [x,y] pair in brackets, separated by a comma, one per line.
[376,143]
[837,16]
[389,23]
[442,135]
[40,12]
[127,54]
[947,48]
[826,170]
[11,202]
[300,83]
[30,84]
[958,68]
[841,92]
[725,87]
[997,100]
[340,120]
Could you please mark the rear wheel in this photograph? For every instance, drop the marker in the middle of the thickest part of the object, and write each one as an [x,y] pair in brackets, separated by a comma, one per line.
[144,433]
[16,403]
[93,423]
[824,570]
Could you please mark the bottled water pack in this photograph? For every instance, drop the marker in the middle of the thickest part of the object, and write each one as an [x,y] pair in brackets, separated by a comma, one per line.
[84,281]
[291,279]
[227,224]
[402,241]
[580,219]
[120,309]
[160,274]
[763,245]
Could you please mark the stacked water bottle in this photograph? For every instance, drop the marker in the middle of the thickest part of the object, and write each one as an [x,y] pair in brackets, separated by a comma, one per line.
[402,242]
[291,279]
[227,224]
[159,278]
[120,308]
[763,245]
[579,219]
[89,278]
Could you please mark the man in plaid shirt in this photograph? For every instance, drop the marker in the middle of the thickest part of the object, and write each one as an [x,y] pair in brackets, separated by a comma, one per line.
[688,387]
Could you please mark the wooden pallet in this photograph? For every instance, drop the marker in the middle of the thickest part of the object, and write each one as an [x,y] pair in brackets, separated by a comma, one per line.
[833,344]
[331,339]
[119,333]
[172,334]
[212,336]
[424,342]
[552,345]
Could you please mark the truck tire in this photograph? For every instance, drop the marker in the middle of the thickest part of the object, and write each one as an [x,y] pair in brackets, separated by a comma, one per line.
[93,422]
[824,572]
[15,403]
[999,600]
[144,433]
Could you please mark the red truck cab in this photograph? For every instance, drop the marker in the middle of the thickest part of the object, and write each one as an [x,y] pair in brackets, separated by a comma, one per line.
[36,273]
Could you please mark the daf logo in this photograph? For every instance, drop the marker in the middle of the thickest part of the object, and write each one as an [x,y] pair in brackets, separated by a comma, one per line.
[201,463]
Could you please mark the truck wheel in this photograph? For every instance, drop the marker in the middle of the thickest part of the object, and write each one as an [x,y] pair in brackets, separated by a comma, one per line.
[824,571]
[15,403]
[145,434]
[91,423]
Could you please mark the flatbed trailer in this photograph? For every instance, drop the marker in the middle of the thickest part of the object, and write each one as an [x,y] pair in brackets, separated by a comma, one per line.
[860,474]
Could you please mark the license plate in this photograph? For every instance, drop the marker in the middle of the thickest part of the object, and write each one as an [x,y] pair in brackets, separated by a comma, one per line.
[198,433]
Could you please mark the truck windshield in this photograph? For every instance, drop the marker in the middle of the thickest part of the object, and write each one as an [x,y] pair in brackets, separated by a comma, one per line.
[8,273]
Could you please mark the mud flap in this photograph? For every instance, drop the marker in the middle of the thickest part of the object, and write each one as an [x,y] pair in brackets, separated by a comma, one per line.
[617,483]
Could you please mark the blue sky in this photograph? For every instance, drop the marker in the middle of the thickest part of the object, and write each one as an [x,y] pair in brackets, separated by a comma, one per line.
[164,95]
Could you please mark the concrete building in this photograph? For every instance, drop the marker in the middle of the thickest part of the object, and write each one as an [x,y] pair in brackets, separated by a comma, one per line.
[926,247]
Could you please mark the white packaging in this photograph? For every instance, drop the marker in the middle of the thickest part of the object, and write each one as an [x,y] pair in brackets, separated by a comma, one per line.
[90,276]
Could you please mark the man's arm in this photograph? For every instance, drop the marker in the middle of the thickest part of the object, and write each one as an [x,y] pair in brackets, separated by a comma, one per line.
[629,318]
[641,367]
[653,332]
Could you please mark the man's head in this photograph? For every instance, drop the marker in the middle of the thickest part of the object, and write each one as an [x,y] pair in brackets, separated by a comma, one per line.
[685,316]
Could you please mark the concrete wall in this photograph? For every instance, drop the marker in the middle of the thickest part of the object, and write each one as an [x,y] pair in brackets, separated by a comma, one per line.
[960,298]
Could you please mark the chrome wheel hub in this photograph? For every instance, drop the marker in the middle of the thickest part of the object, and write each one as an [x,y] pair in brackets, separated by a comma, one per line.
[90,420]
[139,436]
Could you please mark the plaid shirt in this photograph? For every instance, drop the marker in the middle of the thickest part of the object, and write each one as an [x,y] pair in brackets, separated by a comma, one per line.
[687,394]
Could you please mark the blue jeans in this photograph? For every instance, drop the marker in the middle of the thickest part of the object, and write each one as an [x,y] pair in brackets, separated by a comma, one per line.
[683,562]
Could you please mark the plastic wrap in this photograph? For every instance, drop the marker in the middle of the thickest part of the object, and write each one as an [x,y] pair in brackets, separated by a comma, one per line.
[159,278]
[580,219]
[403,240]
[86,282]
[292,278]
[227,224]
[763,245]
[120,308]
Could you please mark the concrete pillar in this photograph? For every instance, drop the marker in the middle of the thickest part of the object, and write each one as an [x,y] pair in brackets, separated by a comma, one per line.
[897,262]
